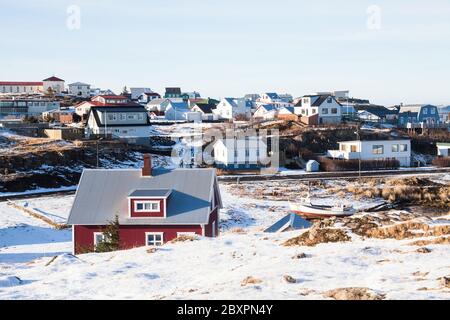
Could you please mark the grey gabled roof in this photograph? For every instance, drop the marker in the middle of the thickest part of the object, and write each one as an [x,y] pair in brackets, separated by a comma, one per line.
[103,193]
[163,193]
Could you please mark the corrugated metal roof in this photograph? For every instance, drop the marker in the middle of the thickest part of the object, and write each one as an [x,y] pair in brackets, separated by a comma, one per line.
[103,193]
[163,193]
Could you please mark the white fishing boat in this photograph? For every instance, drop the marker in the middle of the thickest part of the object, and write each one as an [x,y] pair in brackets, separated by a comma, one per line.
[308,210]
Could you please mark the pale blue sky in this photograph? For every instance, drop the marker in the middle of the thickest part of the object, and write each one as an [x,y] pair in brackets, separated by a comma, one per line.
[233,47]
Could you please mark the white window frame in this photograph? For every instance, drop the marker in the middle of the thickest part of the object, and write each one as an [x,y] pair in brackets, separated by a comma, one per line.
[95,237]
[377,147]
[403,146]
[144,202]
[161,242]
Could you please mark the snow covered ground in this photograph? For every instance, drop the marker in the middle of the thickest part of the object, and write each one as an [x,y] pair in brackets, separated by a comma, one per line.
[208,268]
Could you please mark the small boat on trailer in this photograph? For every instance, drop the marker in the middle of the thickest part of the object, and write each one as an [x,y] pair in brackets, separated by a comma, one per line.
[308,210]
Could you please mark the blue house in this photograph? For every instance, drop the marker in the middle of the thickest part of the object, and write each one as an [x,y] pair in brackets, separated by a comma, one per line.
[425,114]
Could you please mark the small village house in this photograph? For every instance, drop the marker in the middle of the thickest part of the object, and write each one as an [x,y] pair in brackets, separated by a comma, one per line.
[190,95]
[62,116]
[80,89]
[444,114]
[232,108]
[419,115]
[374,150]
[118,122]
[137,92]
[205,110]
[287,113]
[443,149]
[172,92]
[55,84]
[147,97]
[274,99]
[319,109]
[179,111]
[377,114]
[266,112]
[158,104]
[153,206]
[240,154]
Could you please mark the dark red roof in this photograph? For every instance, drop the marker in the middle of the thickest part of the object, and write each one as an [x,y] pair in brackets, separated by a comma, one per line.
[20,83]
[53,79]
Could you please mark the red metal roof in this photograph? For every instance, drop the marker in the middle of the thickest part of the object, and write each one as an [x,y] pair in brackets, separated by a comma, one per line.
[20,83]
[53,79]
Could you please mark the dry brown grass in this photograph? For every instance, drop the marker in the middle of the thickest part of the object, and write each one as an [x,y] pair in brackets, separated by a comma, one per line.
[408,230]
[437,240]
[238,231]
[318,235]
[414,190]
[353,294]
[184,238]
[250,280]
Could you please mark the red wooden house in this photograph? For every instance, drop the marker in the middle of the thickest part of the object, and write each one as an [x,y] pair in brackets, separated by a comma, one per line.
[153,206]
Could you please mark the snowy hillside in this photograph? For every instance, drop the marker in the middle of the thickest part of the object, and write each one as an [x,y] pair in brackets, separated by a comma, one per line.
[35,261]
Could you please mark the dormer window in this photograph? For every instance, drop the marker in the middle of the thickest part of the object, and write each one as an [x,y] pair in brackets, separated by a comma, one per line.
[148,203]
[146,206]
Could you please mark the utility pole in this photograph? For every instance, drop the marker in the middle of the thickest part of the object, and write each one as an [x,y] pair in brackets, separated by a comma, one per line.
[359,153]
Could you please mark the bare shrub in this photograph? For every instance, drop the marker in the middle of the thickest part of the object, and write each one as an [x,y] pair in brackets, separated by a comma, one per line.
[441,162]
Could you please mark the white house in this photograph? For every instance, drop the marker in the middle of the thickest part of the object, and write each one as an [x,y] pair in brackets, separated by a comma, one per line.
[80,89]
[444,114]
[205,110]
[159,104]
[147,97]
[120,122]
[179,111]
[274,99]
[230,108]
[137,92]
[319,109]
[373,150]
[266,112]
[54,83]
[443,149]
[245,153]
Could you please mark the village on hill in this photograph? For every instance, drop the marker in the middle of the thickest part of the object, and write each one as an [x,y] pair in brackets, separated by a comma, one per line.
[176,195]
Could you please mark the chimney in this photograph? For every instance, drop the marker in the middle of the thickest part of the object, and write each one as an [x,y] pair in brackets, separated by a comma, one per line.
[147,168]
